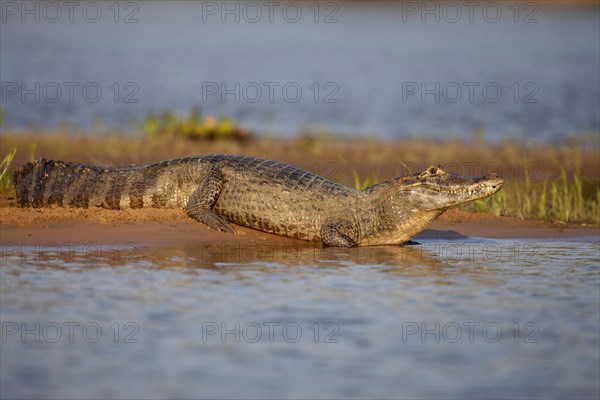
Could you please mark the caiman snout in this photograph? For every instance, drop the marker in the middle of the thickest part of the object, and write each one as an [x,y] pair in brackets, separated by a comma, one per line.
[492,182]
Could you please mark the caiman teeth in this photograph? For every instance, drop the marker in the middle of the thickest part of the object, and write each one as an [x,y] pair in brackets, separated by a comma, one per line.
[470,192]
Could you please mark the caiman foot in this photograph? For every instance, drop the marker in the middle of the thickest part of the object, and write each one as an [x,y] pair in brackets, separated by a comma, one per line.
[213,220]
[204,198]
[331,236]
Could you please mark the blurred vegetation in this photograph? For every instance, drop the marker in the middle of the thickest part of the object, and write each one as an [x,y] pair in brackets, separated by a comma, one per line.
[5,179]
[193,126]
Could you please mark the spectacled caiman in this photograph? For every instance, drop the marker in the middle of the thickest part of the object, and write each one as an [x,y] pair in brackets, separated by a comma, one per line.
[270,196]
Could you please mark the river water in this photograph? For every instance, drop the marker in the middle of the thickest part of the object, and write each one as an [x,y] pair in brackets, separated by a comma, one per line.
[467,318]
[524,71]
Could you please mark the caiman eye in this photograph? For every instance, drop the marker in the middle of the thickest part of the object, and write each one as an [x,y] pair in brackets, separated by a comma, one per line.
[432,170]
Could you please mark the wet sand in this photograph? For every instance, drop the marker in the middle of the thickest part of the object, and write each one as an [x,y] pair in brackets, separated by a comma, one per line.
[149,228]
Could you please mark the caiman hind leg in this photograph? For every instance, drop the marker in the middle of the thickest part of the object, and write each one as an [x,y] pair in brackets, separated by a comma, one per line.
[203,199]
[339,234]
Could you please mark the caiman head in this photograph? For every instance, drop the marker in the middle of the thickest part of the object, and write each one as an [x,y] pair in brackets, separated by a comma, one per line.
[436,189]
[408,204]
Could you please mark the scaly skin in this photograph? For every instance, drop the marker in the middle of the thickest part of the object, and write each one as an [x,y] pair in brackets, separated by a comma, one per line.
[270,196]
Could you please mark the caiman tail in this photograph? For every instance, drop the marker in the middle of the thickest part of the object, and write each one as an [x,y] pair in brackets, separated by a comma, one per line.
[46,182]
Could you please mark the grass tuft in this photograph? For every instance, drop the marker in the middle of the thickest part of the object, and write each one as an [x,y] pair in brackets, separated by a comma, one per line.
[5,182]
[566,198]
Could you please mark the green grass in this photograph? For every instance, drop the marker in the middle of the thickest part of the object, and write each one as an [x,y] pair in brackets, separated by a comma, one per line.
[361,184]
[5,182]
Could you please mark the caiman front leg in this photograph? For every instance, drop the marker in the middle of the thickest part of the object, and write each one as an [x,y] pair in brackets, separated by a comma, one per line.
[338,235]
[203,199]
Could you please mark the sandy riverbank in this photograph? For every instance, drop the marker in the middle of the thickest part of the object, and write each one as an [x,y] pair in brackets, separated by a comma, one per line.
[151,227]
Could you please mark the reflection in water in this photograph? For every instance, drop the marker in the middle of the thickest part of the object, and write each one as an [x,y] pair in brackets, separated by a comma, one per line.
[207,255]
[410,261]
[448,318]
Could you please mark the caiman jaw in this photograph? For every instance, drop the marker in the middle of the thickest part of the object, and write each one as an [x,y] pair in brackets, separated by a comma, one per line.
[482,189]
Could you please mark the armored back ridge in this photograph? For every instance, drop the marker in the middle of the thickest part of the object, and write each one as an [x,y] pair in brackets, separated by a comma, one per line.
[270,196]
